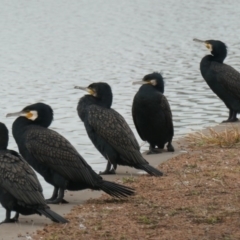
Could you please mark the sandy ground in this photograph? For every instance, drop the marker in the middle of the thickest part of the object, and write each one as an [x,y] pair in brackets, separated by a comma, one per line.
[198,198]
[28,225]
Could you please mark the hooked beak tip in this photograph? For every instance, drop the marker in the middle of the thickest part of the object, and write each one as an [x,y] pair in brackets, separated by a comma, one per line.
[198,40]
[9,115]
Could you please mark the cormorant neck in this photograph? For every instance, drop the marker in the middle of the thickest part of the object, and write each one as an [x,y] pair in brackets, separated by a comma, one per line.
[105,100]
[149,88]
[212,58]
[219,56]
[83,104]
[89,100]
[18,126]
[3,146]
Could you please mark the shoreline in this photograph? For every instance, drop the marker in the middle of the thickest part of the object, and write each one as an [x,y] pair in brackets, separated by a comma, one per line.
[28,225]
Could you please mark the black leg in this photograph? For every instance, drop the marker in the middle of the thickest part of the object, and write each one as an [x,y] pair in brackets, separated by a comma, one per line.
[108,169]
[170,147]
[8,218]
[58,199]
[16,217]
[232,117]
[229,117]
[54,195]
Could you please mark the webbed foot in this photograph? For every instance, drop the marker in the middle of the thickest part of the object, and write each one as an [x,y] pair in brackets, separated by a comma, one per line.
[106,172]
[11,220]
[231,120]
[154,150]
[56,201]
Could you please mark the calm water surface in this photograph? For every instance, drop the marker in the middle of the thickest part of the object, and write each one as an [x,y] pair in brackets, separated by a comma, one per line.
[47,47]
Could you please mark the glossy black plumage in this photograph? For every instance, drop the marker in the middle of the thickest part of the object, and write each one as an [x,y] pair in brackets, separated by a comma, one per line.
[51,155]
[221,78]
[109,131]
[152,115]
[20,190]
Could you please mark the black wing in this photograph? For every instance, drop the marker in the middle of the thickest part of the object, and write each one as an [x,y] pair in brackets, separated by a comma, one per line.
[18,178]
[135,120]
[228,77]
[53,150]
[112,127]
[164,104]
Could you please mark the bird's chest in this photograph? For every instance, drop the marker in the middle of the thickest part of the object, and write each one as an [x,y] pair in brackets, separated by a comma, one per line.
[146,101]
[208,73]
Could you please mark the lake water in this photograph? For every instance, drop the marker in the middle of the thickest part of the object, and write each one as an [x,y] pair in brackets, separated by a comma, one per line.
[47,47]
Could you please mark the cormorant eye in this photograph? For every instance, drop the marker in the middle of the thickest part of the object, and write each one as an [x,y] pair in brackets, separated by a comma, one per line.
[209,46]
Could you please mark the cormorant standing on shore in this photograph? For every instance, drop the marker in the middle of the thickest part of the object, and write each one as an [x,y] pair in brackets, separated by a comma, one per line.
[221,78]
[20,190]
[51,155]
[109,131]
[152,115]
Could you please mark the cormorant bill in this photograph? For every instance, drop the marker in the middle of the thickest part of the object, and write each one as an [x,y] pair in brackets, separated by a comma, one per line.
[152,115]
[109,131]
[53,156]
[221,78]
[20,190]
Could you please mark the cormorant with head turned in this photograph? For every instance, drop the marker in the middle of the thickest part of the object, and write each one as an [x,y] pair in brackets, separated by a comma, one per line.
[109,131]
[20,190]
[152,115]
[221,78]
[53,156]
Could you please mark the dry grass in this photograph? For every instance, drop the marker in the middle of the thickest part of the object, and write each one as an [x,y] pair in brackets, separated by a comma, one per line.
[197,199]
[228,138]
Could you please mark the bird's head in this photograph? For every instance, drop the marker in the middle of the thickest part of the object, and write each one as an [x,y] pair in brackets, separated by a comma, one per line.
[154,79]
[217,48]
[101,91]
[39,113]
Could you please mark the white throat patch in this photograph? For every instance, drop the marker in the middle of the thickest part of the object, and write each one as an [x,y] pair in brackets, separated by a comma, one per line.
[34,115]
[154,82]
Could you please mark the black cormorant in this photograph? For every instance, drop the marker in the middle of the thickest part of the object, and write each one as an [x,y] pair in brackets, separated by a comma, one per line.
[51,155]
[109,131]
[20,190]
[221,78]
[152,115]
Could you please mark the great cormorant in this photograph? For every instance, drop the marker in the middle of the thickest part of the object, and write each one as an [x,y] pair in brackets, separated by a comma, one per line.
[221,78]
[152,115]
[53,156]
[20,190]
[109,131]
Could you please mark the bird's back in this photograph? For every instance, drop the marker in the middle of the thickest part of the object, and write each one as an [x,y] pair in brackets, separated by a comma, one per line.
[107,128]
[224,80]
[53,153]
[19,180]
[152,116]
